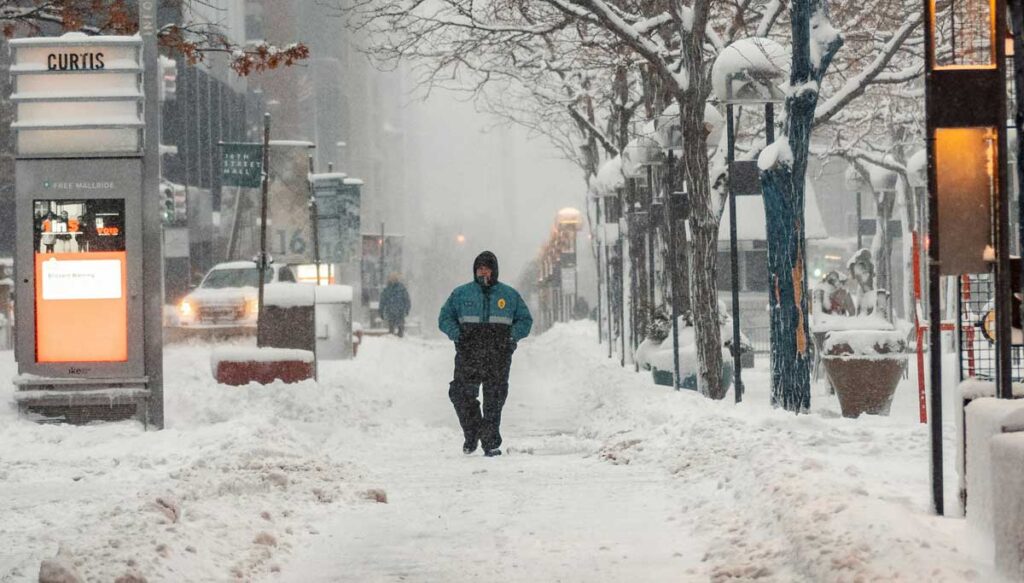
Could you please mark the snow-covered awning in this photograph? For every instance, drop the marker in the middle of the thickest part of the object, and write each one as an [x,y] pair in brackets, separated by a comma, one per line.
[671,136]
[750,218]
[609,178]
[642,151]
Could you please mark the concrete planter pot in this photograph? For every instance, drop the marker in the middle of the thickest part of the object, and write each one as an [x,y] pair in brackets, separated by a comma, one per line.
[864,367]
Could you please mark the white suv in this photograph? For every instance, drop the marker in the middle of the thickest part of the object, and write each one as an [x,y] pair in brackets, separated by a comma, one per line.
[228,296]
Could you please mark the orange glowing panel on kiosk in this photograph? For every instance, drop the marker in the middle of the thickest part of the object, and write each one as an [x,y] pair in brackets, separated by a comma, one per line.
[965,172]
[81,307]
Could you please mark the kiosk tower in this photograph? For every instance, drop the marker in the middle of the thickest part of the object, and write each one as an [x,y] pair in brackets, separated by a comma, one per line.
[85,340]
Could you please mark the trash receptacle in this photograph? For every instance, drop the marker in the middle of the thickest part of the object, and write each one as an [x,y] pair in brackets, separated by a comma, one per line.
[333,309]
[288,316]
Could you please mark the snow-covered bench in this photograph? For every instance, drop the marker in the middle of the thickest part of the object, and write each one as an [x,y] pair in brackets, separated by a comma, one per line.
[244,365]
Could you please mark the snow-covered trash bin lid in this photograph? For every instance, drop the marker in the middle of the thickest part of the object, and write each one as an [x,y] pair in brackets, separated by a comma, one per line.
[289,295]
[333,294]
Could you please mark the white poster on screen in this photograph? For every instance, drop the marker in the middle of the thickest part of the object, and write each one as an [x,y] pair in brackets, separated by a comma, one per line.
[97,279]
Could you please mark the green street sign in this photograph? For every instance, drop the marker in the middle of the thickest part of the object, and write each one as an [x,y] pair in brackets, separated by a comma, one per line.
[241,165]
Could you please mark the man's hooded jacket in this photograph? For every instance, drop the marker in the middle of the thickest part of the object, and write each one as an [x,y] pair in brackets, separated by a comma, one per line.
[485,317]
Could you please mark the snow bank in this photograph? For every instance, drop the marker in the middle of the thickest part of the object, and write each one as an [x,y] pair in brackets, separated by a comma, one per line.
[740,492]
[186,503]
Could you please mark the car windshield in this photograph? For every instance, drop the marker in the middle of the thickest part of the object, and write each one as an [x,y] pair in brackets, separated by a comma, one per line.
[245,277]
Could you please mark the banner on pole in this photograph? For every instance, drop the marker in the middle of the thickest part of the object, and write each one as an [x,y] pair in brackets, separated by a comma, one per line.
[242,165]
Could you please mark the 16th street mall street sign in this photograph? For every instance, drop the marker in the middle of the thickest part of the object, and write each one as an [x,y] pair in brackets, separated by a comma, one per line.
[242,165]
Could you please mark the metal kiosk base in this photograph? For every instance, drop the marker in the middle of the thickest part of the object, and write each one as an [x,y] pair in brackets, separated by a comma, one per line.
[81,401]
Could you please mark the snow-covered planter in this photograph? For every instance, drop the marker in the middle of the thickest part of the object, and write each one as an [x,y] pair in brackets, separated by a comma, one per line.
[244,365]
[863,352]
[864,367]
[655,352]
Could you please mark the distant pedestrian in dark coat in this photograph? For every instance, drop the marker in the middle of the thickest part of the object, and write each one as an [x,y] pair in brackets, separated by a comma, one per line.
[395,305]
[485,319]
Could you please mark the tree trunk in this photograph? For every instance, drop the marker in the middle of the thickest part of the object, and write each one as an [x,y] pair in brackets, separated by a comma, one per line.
[703,222]
[703,254]
[787,297]
[638,264]
[783,181]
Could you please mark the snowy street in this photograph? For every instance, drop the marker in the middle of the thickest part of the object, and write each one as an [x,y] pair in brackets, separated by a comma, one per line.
[606,477]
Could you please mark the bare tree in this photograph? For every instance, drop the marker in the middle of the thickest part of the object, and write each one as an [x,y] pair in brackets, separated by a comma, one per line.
[784,166]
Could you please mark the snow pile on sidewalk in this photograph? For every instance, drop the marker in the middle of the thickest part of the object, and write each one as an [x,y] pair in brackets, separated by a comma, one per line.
[244,480]
[221,493]
[812,497]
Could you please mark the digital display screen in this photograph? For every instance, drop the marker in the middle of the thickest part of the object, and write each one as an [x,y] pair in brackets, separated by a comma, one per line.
[78,226]
[81,283]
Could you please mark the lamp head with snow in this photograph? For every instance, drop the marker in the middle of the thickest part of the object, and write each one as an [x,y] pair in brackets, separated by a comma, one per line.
[570,218]
[751,71]
[670,133]
[966,165]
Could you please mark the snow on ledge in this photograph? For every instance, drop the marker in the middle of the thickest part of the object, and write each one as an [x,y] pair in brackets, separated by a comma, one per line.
[289,295]
[973,388]
[334,294]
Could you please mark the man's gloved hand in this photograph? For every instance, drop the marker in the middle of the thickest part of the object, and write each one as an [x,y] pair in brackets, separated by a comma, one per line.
[512,345]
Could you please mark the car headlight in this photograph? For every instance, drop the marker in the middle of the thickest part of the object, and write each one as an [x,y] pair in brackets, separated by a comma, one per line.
[185,308]
[252,306]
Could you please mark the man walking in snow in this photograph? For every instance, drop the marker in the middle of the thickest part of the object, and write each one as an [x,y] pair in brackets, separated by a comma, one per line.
[485,319]
[394,305]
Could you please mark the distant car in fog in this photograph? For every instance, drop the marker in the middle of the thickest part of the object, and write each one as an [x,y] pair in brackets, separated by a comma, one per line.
[228,297]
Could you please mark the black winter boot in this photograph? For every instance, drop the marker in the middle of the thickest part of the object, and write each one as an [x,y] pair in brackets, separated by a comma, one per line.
[469,446]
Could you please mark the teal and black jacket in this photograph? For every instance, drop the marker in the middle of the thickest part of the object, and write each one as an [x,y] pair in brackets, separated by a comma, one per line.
[489,319]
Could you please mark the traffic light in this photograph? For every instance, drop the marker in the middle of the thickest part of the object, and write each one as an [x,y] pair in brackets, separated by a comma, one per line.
[174,199]
[180,205]
[168,203]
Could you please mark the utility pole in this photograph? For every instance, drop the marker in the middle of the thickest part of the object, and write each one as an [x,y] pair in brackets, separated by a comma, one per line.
[263,264]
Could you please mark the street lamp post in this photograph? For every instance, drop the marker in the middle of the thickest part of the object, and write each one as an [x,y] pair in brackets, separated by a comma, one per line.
[757,86]
[967,194]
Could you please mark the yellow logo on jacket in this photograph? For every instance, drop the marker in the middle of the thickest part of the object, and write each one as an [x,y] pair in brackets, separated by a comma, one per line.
[501,303]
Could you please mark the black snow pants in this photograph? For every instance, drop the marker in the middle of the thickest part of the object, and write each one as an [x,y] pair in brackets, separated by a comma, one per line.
[476,366]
